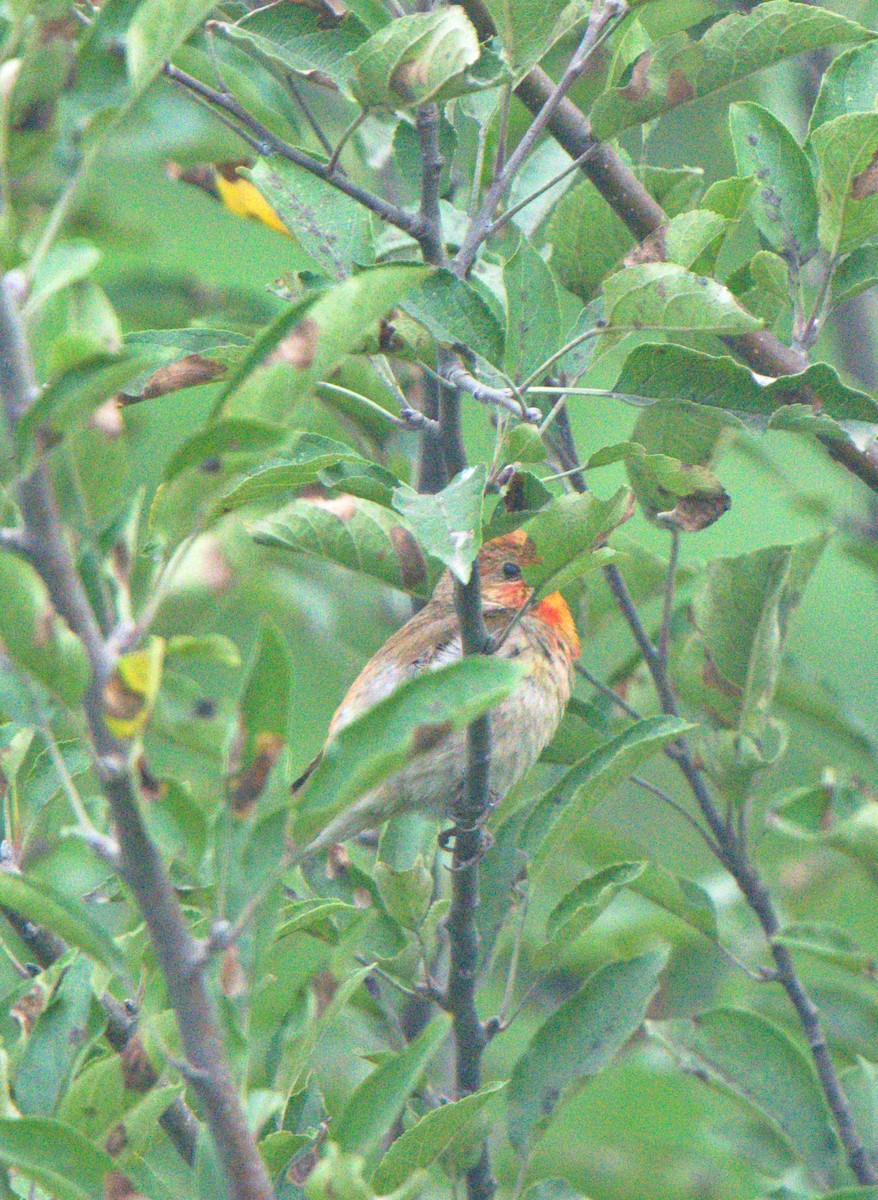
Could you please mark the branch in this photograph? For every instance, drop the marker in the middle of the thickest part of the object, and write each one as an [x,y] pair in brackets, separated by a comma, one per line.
[178,1120]
[733,853]
[142,866]
[458,377]
[431,241]
[268,143]
[603,14]
[469,811]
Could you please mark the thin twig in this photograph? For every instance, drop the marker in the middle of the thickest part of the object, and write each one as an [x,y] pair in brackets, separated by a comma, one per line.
[678,808]
[346,136]
[733,854]
[468,813]
[607,691]
[456,375]
[296,92]
[272,144]
[515,209]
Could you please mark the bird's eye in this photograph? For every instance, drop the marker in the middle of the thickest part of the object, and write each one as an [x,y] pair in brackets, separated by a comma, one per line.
[512,570]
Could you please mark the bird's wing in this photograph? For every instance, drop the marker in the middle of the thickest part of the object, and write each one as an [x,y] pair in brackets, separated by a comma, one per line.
[429,640]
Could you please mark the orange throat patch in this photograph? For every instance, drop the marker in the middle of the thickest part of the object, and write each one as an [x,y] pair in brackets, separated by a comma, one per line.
[553,611]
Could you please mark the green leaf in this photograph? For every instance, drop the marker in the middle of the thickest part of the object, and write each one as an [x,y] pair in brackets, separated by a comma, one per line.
[672,481]
[570,535]
[68,918]
[666,296]
[33,634]
[448,524]
[315,334]
[60,1035]
[677,70]
[263,715]
[354,533]
[454,312]
[728,197]
[235,436]
[751,1058]
[334,229]
[54,1157]
[784,206]
[299,463]
[156,30]
[70,397]
[67,262]
[578,1041]
[391,734]
[692,237]
[741,617]
[840,814]
[300,40]
[857,274]
[73,327]
[533,316]
[679,896]
[425,1141]
[376,1103]
[618,452]
[581,906]
[828,944]
[598,773]
[849,84]
[410,60]
[528,28]
[657,372]
[588,239]
[847,186]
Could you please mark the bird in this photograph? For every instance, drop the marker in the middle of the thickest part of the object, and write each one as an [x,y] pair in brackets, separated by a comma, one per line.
[541,637]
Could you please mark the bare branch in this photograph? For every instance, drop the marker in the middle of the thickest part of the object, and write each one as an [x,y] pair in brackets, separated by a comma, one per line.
[431,241]
[456,375]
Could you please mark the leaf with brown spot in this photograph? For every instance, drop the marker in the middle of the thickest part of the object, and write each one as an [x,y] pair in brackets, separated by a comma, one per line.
[866,183]
[138,1073]
[680,68]
[28,1008]
[244,787]
[638,85]
[299,347]
[696,511]
[107,419]
[233,979]
[119,1187]
[186,372]
[116,1140]
[679,90]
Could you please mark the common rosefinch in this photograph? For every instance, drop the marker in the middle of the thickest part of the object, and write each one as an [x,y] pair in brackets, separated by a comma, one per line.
[544,641]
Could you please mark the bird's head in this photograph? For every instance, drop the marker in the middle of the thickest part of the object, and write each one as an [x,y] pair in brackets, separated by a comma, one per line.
[502,563]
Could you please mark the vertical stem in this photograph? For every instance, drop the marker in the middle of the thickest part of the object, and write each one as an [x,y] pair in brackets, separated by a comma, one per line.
[468,812]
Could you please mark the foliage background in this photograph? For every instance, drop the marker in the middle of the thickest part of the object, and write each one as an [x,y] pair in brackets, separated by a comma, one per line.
[170,255]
